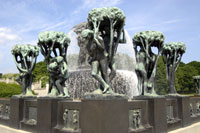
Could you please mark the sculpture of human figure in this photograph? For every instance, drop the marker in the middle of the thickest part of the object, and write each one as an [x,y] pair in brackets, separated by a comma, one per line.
[151,69]
[66,117]
[103,32]
[146,60]
[59,71]
[97,59]
[138,119]
[54,46]
[140,69]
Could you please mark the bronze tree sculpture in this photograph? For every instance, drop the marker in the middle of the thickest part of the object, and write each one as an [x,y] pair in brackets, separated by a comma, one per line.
[146,59]
[53,46]
[25,57]
[172,54]
[103,33]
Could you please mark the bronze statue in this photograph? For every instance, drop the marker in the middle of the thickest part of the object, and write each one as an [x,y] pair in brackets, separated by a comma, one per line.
[53,46]
[172,54]
[103,33]
[146,59]
[25,57]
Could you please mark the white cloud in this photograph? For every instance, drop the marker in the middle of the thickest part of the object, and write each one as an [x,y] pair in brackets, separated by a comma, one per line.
[164,25]
[7,36]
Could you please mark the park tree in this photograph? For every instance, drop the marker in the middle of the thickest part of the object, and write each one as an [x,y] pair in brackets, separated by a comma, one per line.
[41,73]
[160,78]
[185,78]
[196,65]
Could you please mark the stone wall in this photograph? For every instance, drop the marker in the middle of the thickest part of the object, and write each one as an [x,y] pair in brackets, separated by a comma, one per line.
[108,114]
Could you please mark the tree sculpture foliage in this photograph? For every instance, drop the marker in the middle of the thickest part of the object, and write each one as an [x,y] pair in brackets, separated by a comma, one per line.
[197,83]
[25,58]
[172,54]
[54,46]
[103,33]
[111,18]
[146,59]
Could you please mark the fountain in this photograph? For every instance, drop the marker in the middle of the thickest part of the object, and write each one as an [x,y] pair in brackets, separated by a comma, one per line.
[81,81]
[91,95]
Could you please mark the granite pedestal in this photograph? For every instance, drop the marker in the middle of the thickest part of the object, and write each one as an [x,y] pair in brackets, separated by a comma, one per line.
[184,110]
[16,111]
[156,112]
[104,114]
[47,113]
[5,111]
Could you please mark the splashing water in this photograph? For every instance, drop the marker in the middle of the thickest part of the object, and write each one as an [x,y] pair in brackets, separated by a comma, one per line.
[81,81]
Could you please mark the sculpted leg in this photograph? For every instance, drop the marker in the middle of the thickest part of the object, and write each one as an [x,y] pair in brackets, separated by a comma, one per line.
[97,76]
[59,86]
[104,72]
[113,70]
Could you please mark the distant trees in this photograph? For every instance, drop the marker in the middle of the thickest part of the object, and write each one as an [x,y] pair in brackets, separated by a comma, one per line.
[160,79]
[41,73]
[185,75]
[183,82]
[10,76]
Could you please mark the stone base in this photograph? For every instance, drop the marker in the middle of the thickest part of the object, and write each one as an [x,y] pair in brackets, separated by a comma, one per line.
[145,97]
[156,111]
[113,96]
[71,106]
[96,114]
[184,110]
[47,113]
[104,115]
[17,110]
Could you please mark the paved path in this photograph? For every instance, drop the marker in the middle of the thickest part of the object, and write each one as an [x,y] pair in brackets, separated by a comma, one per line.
[6,129]
[194,128]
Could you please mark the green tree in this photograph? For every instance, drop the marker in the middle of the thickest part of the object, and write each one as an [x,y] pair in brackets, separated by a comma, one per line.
[184,77]
[160,79]
[41,73]
[196,65]
[10,75]
[7,90]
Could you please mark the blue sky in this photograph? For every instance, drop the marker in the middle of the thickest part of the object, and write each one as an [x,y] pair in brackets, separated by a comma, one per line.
[22,20]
